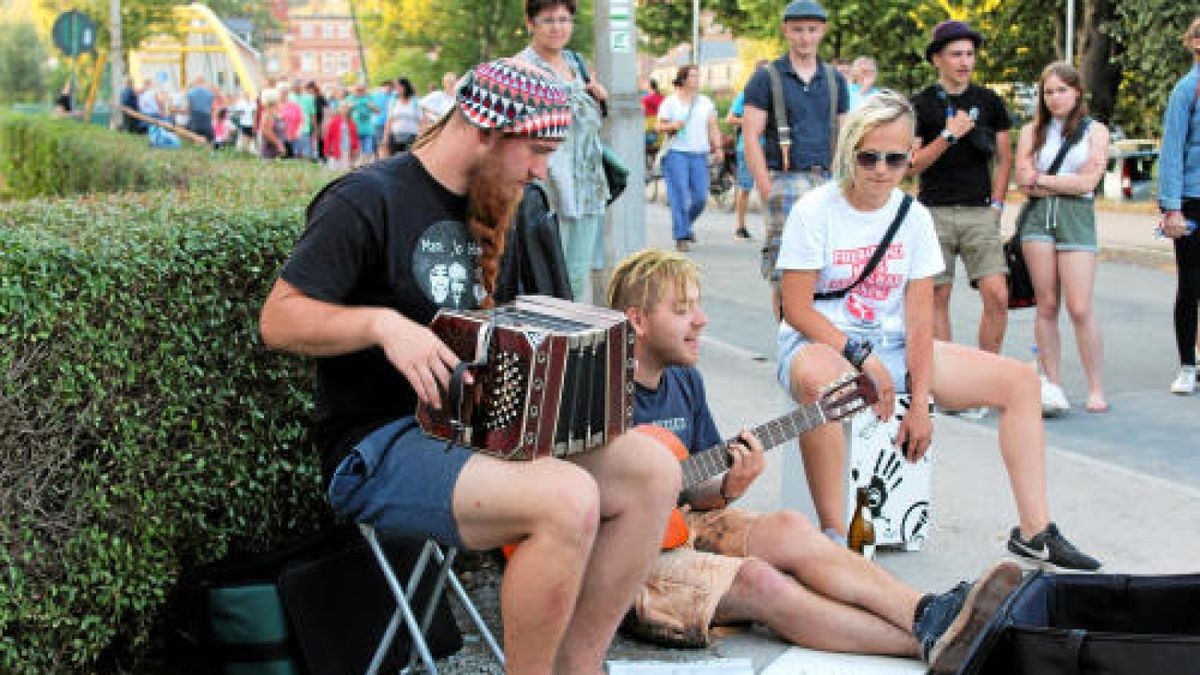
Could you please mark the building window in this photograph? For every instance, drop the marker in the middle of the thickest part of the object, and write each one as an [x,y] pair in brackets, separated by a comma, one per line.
[308,63]
[343,30]
[327,31]
[306,30]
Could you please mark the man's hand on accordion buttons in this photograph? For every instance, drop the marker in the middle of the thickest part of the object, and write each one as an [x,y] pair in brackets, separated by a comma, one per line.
[746,451]
[424,360]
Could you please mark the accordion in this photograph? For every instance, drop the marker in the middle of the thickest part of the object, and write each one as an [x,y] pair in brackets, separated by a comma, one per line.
[551,378]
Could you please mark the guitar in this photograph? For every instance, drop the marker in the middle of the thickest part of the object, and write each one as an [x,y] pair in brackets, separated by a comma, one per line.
[842,398]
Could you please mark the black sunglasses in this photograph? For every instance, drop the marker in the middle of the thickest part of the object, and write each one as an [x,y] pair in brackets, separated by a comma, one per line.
[869,159]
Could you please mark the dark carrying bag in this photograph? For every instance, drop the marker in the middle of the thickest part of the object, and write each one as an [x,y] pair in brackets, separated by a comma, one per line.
[533,261]
[616,173]
[319,606]
[1020,284]
[1093,624]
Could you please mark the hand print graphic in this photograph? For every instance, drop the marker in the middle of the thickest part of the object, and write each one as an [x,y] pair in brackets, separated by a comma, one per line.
[897,490]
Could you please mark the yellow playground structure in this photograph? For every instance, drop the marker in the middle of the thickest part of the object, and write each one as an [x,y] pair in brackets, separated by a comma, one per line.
[204,46]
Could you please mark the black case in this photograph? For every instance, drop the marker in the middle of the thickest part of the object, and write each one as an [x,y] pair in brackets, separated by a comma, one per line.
[336,601]
[1085,624]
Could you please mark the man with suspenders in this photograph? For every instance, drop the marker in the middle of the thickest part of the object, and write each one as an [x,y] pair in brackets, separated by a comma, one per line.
[798,101]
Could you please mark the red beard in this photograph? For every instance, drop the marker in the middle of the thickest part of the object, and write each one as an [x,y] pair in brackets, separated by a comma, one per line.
[491,203]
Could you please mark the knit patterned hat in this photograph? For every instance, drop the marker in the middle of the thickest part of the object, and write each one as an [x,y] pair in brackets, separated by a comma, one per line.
[515,99]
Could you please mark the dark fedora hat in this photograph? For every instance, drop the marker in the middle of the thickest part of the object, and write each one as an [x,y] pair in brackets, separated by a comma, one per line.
[947,32]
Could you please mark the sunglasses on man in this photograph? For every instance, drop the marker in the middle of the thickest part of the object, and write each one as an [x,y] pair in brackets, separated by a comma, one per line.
[869,159]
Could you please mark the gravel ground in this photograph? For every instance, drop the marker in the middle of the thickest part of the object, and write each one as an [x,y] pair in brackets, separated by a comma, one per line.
[480,576]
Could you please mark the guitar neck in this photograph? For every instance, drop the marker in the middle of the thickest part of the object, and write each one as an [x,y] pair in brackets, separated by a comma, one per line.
[714,461]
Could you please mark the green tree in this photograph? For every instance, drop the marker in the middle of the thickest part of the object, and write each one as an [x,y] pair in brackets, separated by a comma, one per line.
[421,39]
[21,58]
[1152,58]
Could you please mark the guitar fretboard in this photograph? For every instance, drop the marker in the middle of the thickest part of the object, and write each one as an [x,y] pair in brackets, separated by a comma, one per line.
[711,462]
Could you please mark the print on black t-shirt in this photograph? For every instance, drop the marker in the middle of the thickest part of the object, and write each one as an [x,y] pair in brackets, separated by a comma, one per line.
[443,264]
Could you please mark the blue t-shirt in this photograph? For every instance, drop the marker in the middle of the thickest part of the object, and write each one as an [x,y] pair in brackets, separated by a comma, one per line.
[679,405]
[200,101]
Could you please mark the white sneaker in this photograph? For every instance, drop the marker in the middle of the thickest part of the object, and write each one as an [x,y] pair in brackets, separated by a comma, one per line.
[1185,381]
[1054,401]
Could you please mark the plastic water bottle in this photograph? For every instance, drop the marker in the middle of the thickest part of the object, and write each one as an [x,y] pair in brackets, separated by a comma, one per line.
[1188,228]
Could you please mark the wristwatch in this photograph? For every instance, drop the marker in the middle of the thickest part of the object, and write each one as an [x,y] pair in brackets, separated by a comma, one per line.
[856,351]
[950,138]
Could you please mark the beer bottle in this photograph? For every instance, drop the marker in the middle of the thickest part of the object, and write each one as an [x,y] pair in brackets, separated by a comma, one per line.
[861,537]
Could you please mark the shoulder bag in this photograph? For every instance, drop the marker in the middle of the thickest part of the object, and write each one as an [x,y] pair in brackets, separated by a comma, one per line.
[876,256]
[616,173]
[1020,284]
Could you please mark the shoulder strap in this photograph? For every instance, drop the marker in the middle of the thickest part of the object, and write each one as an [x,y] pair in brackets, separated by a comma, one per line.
[779,106]
[1068,143]
[876,256]
[831,75]
[583,71]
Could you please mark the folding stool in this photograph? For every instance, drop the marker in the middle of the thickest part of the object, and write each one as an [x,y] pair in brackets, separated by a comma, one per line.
[404,596]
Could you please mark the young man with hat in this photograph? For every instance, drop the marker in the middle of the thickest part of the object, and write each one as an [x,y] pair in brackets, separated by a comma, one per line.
[963,129]
[815,99]
[385,247]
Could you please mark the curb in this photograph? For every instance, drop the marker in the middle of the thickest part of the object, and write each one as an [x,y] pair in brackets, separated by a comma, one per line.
[1139,256]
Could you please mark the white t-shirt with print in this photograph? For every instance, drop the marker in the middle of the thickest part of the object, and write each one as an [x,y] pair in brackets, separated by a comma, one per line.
[694,136]
[824,232]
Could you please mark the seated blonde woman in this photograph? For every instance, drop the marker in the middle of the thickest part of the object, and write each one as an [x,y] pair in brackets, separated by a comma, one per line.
[883,326]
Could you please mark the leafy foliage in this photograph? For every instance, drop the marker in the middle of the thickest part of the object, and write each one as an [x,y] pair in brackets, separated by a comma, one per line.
[1153,58]
[403,35]
[143,428]
[21,58]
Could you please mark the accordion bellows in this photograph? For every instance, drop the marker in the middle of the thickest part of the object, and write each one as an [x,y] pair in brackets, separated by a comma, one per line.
[557,378]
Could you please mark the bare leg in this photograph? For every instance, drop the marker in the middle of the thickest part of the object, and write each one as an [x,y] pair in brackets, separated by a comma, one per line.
[823,449]
[993,290]
[1040,258]
[639,483]
[1077,269]
[965,377]
[941,312]
[789,542]
[762,593]
[741,202]
[497,502]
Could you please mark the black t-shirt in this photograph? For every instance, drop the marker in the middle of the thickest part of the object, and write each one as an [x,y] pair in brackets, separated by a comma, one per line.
[386,235]
[962,175]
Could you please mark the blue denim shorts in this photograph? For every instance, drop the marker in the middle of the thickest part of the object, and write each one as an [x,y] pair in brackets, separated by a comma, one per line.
[891,351]
[401,482]
[744,180]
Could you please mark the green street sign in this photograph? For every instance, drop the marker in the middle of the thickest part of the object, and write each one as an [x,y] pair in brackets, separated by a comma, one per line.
[74,33]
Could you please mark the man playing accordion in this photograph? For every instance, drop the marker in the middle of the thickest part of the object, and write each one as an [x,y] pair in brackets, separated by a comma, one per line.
[385,248]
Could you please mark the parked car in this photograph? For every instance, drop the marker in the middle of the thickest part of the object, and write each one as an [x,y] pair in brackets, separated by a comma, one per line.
[1130,172]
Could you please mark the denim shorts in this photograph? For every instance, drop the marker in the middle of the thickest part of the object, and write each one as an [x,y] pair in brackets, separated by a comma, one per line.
[1067,222]
[401,482]
[890,350]
[744,180]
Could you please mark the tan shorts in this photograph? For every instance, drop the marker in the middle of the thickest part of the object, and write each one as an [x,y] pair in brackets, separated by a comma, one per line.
[972,232]
[679,600]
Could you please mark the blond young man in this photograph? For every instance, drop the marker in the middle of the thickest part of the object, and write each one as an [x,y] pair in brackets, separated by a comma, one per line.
[771,568]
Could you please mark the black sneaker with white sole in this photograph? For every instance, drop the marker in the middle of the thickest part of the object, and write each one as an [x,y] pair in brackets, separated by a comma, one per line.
[1049,548]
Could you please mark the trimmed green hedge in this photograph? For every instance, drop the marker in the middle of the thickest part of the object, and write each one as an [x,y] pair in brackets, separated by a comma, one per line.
[143,427]
[40,156]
